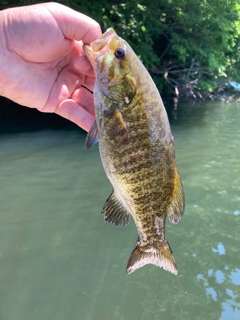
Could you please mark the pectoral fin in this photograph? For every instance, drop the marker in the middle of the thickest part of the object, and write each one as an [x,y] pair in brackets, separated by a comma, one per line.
[92,136]
[115,126]
[114,212]
[120,126]
[176,208]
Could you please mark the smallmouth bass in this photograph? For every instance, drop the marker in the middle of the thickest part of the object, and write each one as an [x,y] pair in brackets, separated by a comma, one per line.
[136,148]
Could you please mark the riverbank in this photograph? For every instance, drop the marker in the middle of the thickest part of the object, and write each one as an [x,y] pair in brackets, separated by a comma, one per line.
[227,95]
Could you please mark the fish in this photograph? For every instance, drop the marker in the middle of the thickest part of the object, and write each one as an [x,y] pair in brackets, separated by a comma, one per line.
[137,150]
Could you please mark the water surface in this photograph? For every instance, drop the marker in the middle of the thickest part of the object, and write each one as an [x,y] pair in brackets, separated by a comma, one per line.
[59,260]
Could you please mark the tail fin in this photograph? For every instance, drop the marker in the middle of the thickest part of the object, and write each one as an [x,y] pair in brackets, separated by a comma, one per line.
[160,255]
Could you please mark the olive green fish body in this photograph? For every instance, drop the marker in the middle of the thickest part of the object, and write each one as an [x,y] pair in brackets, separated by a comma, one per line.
[137,152]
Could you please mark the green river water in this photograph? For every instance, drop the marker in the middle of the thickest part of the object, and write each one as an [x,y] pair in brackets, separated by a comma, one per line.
[59,260]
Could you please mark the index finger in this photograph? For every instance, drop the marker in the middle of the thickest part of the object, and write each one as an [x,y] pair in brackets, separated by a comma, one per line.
[74,25]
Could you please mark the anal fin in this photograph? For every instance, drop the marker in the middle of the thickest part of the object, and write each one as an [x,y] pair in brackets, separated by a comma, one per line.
[160,255]
[114,212]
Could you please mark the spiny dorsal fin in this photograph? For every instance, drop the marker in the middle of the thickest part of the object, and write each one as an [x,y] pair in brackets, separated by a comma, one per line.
[176,209]
[114,212]
[160,255]
[92,136]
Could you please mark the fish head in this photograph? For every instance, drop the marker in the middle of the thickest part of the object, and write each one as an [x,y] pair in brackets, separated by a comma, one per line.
[111,58]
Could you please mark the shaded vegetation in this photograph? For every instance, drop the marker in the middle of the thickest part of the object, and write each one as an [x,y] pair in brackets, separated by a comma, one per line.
[191,47]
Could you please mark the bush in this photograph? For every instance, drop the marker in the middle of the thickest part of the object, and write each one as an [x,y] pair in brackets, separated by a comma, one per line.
[189,46]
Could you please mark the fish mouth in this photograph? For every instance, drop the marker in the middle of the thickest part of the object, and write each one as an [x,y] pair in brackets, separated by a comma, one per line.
[99,46]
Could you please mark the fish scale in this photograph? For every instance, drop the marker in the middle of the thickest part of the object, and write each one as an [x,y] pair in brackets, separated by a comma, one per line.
[136,148]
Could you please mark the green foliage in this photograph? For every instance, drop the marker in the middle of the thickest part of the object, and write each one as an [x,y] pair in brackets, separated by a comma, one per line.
[190,45]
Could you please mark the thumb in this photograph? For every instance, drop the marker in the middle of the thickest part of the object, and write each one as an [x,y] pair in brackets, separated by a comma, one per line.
[74,25]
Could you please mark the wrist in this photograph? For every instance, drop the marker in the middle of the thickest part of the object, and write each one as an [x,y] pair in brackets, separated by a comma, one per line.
[7,64]
[4,53]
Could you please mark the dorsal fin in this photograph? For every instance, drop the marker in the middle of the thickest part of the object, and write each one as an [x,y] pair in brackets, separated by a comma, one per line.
[114,212]
[176,209]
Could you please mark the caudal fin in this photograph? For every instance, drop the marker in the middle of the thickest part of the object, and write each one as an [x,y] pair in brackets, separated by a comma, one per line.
[160,255]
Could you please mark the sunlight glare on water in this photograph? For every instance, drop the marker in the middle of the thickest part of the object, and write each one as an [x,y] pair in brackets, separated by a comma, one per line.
[59,260]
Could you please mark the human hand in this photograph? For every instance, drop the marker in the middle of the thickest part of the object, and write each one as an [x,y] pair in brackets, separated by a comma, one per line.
[42,62]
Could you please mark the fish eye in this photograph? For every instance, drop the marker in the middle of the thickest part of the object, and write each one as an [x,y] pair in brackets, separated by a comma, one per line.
[120,53]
